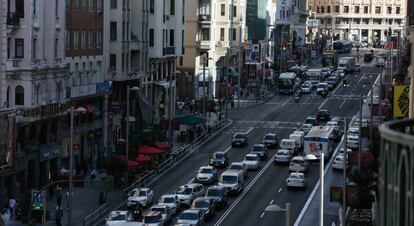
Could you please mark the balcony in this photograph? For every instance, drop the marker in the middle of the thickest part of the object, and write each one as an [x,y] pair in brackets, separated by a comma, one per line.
[203,44]
[13,20]
[169,51]
[204,18]
[135,45]
[13,64]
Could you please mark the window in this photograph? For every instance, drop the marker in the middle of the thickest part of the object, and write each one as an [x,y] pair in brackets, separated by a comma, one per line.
[83,40]
[181,60]
[397,10]
[19,47]
[91,5]
[75,40]
[322,9]
[223,9]
[98,39]
[34,49]
[356,9]
[152,6]
[67,39]
[221,34]
[35,6]
[365,9]
[91,38]
[318,9]
[56,46]
[75,4]
[234,34]
[310,7]
[366,21]
[205,34]
[346,9]
[390,21]
[56,9]
[377,9]
[99,6]
[113,31]
[151,37]
[328,9]
[389,10]
[19,95]
[83,5]
[68,4]
[234,11]
[172,43]
[114,4]
[172,8]
[337,9]
[112,61]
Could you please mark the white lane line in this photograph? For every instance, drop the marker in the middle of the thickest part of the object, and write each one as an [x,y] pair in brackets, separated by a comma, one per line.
[280,189]
[323,103]
[271,202]
[240,197]
[342,104]
[261,216]
[190,181]
[227,149]
[363,75]
[306,101]
[248,131]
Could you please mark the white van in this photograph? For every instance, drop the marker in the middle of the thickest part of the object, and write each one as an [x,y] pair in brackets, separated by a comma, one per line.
[299,139]
[233,180]
[289,144]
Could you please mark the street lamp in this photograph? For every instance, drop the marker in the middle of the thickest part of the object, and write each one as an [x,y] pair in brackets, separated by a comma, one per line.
[205,59]
[311,157]
[276,208]
[128,120]
[72,110]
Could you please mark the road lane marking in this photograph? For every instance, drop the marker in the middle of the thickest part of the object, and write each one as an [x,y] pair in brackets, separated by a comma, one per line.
[261,216]
[280,189]
[227,149]
[323,103]
[342,104]
[240,197]
[363,75]
[306,101]
[271,202]
[190,181]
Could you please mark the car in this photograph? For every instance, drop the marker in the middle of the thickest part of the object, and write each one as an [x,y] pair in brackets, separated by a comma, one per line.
[325,72]
[298,164]
[233,181]
[299,140]
[306,127]
[342,151]
[289,144]
[353,131]
[219,159]
[365,123]
[187,193]
[311,120]
[140,196]
[296,179]
[341,73]
[260,150]
[165,212]
[352,142]
[338,163]
[282,156]
[172,201]
[207,205]
[368,57]
[252,161]
[239,140]
[152,218]
[306,88]
[118,217]
[332,82]
[270,140]
[191,217]
[322,88]
[206,175]
[239,166]
[313,84]
[219,194]
[323,115]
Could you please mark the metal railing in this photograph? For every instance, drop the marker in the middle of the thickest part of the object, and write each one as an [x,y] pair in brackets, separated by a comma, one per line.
[95,218]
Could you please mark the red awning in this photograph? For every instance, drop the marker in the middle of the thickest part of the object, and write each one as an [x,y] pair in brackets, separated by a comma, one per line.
[133,164]
[162,146]
[142,158]
[144,149]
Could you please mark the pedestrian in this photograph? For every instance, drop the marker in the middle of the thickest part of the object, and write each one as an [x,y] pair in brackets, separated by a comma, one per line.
[12,206]
[67,199]
[59,197]
[93,176]
[58,216]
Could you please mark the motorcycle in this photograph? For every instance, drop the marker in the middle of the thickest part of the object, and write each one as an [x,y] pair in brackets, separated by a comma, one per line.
[297,97]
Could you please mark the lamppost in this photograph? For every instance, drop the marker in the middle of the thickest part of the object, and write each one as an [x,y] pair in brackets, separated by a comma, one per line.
[127,120]
[72,110]
[311,157]
[287,209]
[205,60]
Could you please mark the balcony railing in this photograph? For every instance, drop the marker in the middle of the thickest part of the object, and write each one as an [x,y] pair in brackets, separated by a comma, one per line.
[204,18]
[13,19]
[169,50]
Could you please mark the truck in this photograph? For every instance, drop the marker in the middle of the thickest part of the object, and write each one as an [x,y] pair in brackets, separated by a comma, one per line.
[347,64]
[314,76]
[320,139]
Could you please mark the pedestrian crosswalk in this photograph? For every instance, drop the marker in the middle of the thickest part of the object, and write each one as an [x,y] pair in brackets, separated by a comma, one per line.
[243,126]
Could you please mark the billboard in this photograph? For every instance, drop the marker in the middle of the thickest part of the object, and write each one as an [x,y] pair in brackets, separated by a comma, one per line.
[401,101]
[7,141]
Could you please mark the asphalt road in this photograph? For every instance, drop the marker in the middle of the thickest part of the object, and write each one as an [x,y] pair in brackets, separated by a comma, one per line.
[281,115]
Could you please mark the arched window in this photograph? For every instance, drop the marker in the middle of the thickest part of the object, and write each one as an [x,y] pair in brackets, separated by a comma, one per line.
[19,95]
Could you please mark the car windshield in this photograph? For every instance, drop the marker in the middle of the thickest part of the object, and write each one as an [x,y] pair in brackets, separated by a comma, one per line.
[298,161]
[305,85]
[219,155]
[269,137]
[185,190]
[201,204]
[117,217]
[159,209]
[257,148]
[250,158]
[142,193]
[188,216]
[213,192]
[206,170]
[235,166]
[168,200]
[282,153]
[239,136]
[296,176]
[151,219]
[229,179]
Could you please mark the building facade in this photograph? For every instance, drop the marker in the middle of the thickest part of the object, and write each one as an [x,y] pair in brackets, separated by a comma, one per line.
[256,19]
[359,20]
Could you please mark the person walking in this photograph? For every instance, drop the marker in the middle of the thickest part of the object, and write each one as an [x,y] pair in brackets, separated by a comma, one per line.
[59,197]
[58,216]
[67,199]
[93,176]
[12,206]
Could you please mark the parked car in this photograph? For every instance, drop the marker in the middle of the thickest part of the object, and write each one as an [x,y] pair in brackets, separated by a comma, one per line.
[270,140]
[165,212]
[252,161]
[219,159]
[239,166]
[140,196]
[297,180]
[260,150]
[206,175]
[298,164]
[172,201]
[118,217]
[282,156]
[323,115]
[207,205]
[219,194]
[187,193]
[341,73]
[191,217]
[239,139]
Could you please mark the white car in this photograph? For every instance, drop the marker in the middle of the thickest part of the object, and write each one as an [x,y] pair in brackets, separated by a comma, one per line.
[352,142]
[353,131]
[306,88]
[141,196]
[298,180]
[282,156]
[342,151]
[239,166]
[206,174]
[153,218]
[191,217]
[171,201]
[298,164]
[341,73]
[187,193]
[165,212]
[118,217]
[252,161]
[338,163]
[365,123]
[306,127]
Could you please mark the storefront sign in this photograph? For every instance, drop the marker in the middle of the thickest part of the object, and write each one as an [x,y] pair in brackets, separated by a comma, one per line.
[103,87]
[42,111]
[401,101]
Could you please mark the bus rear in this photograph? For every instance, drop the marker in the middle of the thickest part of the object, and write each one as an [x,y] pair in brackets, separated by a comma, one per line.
[288,83]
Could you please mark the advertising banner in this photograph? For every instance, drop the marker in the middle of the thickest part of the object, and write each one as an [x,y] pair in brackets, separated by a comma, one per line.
[401,101]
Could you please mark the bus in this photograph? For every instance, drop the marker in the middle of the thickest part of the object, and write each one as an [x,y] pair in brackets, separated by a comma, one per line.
[289,82]
[330,59]
[319,140]
[342,46]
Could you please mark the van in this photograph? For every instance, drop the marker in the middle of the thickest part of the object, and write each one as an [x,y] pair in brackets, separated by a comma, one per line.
[289,144]
[233,180]
[299,139]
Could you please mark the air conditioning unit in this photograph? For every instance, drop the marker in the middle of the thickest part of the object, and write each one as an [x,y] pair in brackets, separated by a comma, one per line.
[219,44]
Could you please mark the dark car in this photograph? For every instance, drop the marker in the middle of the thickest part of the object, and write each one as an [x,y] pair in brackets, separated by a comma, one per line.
[239,139]
[219,159]
[311,120]
[219,194]
[260,150]
[271,140]
[323,115]
[207,205]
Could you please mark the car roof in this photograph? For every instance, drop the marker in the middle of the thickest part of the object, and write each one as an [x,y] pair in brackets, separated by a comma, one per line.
[237,163]
[251,154]
[296,173]
[258,145]
[159,206]
[240,133]
[288,140]
[282,150]
[151,213]
[191,185]
[270,134]
[202,199]
[206,167]
[299,158]
[216,187]
[191,211]
[119,212]
[169,195]
[219,152]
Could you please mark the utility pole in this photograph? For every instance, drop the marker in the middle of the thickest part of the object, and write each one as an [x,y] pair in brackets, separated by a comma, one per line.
[240,63]
[70,168]
[344,172]
[371,113]
[380,95]
[321,211]
[204,88]
[360,133]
